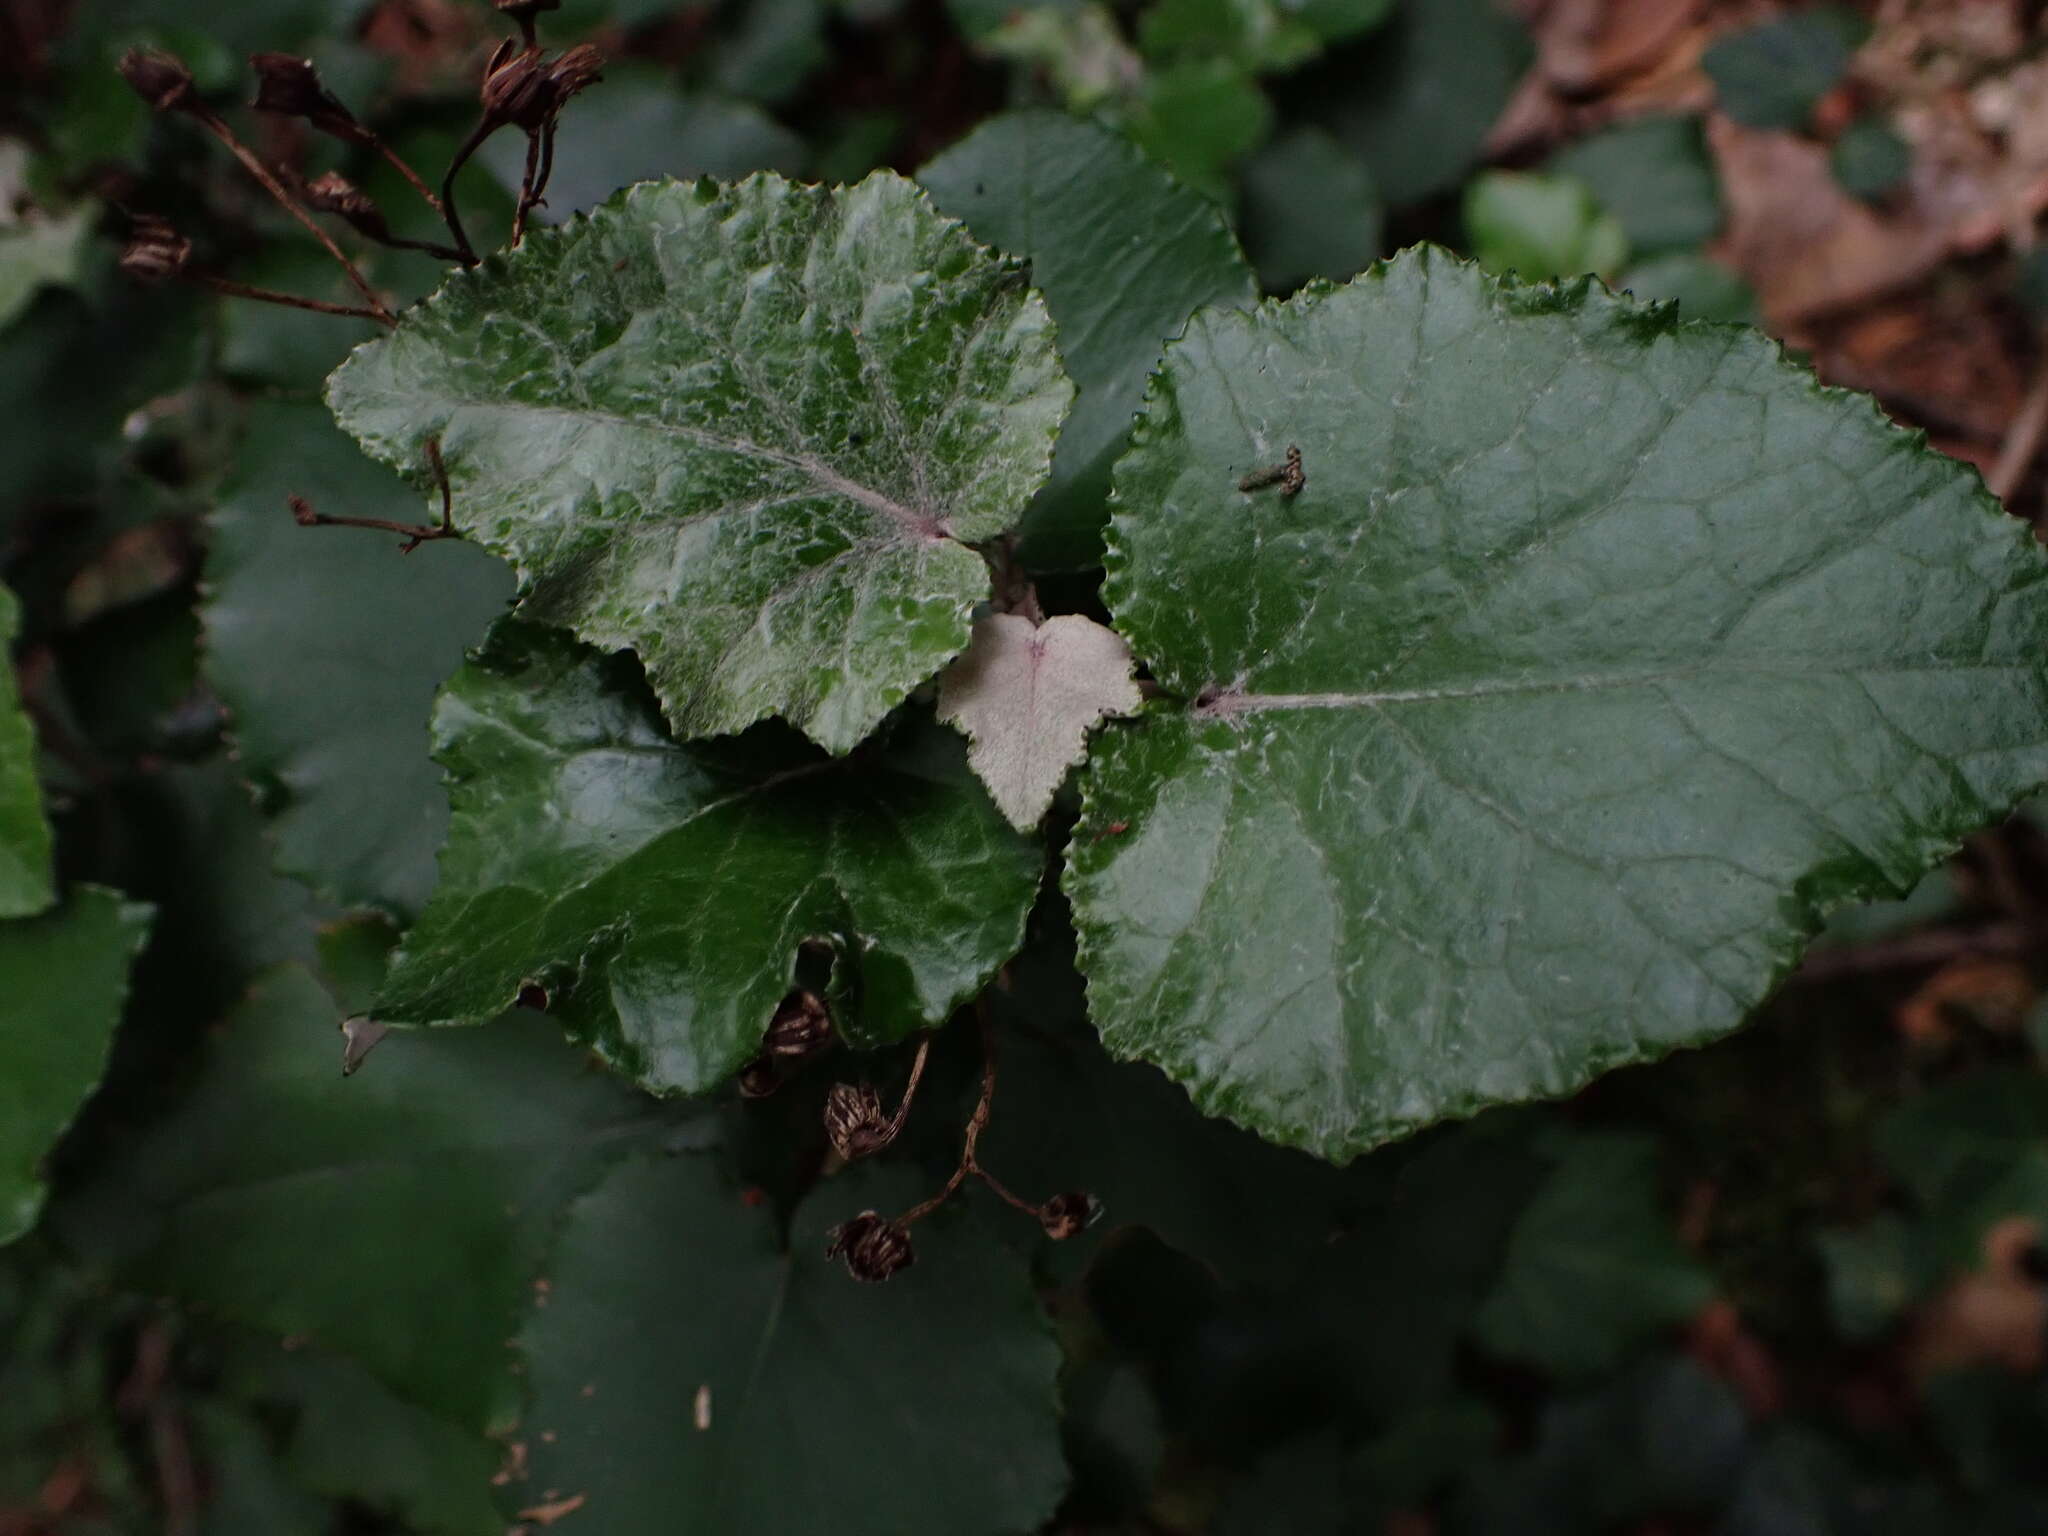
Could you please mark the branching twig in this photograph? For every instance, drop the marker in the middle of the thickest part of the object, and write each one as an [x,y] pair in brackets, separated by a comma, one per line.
[414,534]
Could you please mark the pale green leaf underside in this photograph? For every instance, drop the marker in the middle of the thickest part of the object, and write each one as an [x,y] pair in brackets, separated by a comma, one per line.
[660,893]
[748,431]
[1598,656]
[26,883]
[689,1373]
[64,976]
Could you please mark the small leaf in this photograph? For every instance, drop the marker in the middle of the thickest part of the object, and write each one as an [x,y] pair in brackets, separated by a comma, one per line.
[1027,696]
[1418,98]
[1653,174]
[1599,656]
[1770,75]
[1123,255]
[748,431]
[1540,227]
[26,883]
[660,893]
[64,977]
[1594,1267]
[690,1372]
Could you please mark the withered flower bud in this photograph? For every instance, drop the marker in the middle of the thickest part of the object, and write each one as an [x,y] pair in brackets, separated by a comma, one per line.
[802,1026]
[155,252]
[575,71]
[854,1121]
[290,86]
[524,89]
[874,1248]
[334,193]
[1064,1215]
[159,78]
[758,1078]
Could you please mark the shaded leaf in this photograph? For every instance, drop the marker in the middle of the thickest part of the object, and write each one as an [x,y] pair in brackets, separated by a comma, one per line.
[1123,256]
[1027,695]
[1417,97]
[64,976]
[1594,1266]
[395,1217]
[749,431]
[26,881]
[1597,658]
[1540,227]
[1309,209]
[1654,176]
[785,1396]
[1771,74]
[327,645]
[660,893]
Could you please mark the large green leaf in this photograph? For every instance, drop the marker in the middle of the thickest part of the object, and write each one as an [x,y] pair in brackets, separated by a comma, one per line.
[26,882]
[64,975]
[1598,656]
[396,1216]
[749,431]
[328,644]
[1123,254]
[690,1373]
[660,893]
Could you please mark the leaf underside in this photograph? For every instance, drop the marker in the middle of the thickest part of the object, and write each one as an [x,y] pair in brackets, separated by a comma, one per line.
[748,431]
[660,893]
[1027,695]
[1597,657]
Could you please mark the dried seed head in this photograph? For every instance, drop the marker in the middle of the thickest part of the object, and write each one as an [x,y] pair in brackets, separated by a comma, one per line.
[155,252]
[290,86]
[874,1248]
[854,1121]
[758,1078]
[1064,1215]
[515,87]
[575,71]
[802,1026]
[524,89]
[159,78]
[334,193]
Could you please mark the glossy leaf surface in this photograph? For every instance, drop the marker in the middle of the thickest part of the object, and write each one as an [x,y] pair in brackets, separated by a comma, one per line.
[1596,658]
[748,431]
[659,894]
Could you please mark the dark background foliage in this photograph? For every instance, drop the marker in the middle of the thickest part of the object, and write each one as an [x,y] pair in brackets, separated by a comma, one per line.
[1789,1283]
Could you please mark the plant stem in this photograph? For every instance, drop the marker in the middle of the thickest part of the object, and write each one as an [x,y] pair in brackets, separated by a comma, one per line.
[272,296]
[290,204]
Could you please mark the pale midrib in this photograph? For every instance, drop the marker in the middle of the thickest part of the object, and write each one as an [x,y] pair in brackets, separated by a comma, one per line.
[1232,702]
[927,525]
